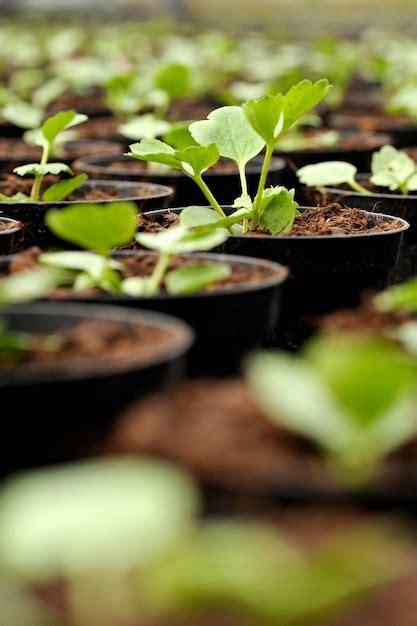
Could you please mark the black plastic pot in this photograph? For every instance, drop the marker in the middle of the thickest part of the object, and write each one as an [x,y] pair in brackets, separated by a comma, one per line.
[53,414]
[227,322]
[359,157]
[11,237]
[326,272]
[223,183]
[402,131]
[32,214]
[404,207]
[72,150]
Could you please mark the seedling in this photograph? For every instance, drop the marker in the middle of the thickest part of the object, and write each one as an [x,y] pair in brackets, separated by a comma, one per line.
[100,229]
[354,397]
[401,297]
[391,168]
[239,134]
[50,132]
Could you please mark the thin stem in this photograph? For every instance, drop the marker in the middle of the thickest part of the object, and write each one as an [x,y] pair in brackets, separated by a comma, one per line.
[37,183]
[243,182]
[264,173]
[158,274]
[206,191]
[357,187]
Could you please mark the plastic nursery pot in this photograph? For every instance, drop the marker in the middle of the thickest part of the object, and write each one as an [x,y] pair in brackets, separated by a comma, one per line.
[57,409]
[228,322]
[326,272]
[404,207]
[14,152]
[353,147]
[147,196]
[11,235]
[223,181]
[402,130]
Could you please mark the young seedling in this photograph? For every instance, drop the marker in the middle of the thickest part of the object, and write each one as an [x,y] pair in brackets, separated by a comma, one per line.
[50,132]
[352,396]
[391,168]
[101,229]
[401,297]
[239,134]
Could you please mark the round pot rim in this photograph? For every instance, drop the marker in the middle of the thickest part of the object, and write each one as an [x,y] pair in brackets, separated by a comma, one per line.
[105,366]
[384,196]
[14,229]
[162,191]
[277,164]
[405,226]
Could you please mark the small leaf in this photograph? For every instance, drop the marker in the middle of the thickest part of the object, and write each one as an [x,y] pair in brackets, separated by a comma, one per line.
[230,130]
[59,122]
[193,216]
[28,285]
[179,136]
[17,197]
[93,226]
[146,126]
[180,240]
[301,98]
[155,151]
[59,191]
[401,297]
[327,173]
[266,116]
[393,168]
[88,262]
[22,114]
[278,210]
[195,277]
[174,79]
[198,158]
[36,169]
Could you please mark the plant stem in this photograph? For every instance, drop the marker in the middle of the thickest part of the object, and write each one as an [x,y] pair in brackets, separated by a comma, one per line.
[158,274]
[206,191]
[243,183]
[264,173]
[36,187]
[357,187]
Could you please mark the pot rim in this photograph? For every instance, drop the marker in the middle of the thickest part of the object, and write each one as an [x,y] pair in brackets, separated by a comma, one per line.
[384,196]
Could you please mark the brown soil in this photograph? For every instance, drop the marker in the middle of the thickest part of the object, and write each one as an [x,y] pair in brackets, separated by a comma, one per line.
[94,341]
[82,104]
[368,121]
[100,127]
[10,185]
[15,150]
[332,219]
[142,264]
[364,319]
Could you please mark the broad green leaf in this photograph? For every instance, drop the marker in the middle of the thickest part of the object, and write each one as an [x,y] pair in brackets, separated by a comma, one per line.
[197,159]
[266,117]
[195,277]
[59,191]
[278,210]
[401,297]
[22,114]
[193,216]
[92,264]
[36,169]
[93,226]
[59,122]
[180,240]
[394,169]
[155,151]
[301,98]
[202,241]
[28,285]
[146,126]
[230,130]
[102,515]
[179,136]
[327,173]
[174,79]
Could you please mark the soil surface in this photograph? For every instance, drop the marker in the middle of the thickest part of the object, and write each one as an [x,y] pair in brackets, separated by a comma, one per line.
[369,121]
[333,219]
[15,150]
[364,319]
[143,263]
[10,185]
[90,342]
[101,127]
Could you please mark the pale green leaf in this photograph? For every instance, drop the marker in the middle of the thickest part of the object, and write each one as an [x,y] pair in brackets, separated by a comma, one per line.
[195,277]
[59,191]
[327,173]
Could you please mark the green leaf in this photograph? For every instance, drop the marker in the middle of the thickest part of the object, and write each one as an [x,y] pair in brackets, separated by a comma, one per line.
[179,240]
[301,99]
[28,285]
[401,297]
[22,114]
[174,79]
[92,264]
[179,136]
[135,286]
[278,210]
[93,226]
[36,169]
[155,151]
[146,126]
[327,173]
[193,216]
[394,169]
[94,515]
[197,159]
[59,191]
[59,122]
[266,117]
[195,277]
[230,130]
[17,197]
